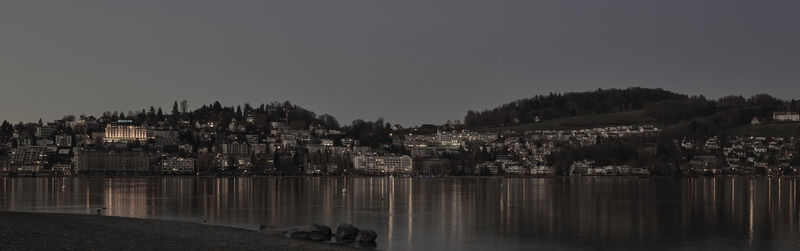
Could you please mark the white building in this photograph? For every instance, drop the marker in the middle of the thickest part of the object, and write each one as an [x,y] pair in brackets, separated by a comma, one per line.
[383,164]
[125,133]
[786,116]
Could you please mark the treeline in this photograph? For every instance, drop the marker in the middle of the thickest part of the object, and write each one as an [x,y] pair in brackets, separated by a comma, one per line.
[698,117]
[568,104]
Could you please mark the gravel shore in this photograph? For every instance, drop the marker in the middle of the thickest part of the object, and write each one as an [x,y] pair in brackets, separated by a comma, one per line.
[44,231]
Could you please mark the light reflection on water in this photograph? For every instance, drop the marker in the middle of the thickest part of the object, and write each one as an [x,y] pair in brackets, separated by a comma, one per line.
[454,213]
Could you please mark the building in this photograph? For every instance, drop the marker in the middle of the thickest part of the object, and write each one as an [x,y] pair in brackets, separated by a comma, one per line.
[432,166]
[542,170]
[127,162]
[63,140]
[235,149]
[177,165]
[62,168]
[124,133]
[383,164]
[164,137]
[579,168]
[46,131]
[786,116]
[27,160]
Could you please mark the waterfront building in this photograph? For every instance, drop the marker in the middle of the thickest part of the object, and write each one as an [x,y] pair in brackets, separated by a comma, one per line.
[27,159]
[383,164]
[129,162]
[432,166]
[3,165]
[542,170]
[177,165]
[62,168]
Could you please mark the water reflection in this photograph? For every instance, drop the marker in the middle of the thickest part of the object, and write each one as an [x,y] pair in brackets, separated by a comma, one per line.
[462,213]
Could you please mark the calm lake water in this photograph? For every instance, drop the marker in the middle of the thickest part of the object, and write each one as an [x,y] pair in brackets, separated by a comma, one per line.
[454,213]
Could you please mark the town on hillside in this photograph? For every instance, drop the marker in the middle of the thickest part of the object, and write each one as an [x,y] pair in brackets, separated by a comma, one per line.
[285,139]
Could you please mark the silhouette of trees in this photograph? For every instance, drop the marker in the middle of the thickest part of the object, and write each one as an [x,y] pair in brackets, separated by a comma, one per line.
[568,104]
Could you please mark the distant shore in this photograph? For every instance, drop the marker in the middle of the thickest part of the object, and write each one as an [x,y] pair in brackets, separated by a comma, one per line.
[46,231]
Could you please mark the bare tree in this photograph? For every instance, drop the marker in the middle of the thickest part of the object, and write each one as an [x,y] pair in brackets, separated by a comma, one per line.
[184,106]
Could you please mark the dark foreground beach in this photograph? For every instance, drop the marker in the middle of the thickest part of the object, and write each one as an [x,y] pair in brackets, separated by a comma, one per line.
[43,231]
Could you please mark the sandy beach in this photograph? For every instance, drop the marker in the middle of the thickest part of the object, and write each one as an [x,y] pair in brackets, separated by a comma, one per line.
[45,231]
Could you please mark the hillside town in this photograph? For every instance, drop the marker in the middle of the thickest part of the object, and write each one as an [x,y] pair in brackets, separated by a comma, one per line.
[251,143]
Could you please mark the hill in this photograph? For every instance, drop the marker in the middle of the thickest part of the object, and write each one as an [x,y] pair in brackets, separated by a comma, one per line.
[680,115]
[576,104]
[637,117]
[767,130]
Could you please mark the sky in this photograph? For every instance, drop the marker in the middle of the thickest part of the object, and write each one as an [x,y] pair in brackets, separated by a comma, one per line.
[409,62]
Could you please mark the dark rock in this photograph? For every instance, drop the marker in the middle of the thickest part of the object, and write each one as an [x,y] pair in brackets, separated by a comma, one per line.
[306,232]
[346,233]
[366,237]
[321,233]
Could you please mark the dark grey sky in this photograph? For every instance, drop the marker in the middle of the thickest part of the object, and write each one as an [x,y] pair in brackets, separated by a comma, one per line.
[408,61]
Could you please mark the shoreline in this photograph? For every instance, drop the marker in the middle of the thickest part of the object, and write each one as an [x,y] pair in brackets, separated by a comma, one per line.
[44,231]
[404,177]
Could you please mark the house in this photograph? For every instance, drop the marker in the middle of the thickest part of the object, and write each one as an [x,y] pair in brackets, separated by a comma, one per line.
[516,169]
[579,168]
[542,170]
[786,116]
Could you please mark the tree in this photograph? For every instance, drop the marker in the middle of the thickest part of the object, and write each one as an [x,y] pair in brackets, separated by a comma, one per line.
[175,109]
[6,131]
[184,106]
[328,121]
[217,107]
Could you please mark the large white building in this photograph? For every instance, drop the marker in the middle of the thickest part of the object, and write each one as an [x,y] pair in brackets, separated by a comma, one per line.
[383,164]
[125,133]
[786,116]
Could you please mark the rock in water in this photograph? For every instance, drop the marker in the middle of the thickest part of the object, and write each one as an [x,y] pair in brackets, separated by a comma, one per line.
[366,238]
[346,233]
[308,232]
[320,233]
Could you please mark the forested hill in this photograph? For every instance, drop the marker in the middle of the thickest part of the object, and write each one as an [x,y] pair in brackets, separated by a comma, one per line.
[569,104]
[683,115]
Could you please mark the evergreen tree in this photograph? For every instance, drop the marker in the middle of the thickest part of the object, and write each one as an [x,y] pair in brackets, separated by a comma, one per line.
[175,109]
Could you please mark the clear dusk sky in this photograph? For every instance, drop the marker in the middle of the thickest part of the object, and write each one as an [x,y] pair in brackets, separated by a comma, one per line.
[410,62]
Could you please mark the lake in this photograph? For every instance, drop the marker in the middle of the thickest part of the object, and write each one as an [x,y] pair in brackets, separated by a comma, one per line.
[453,213]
